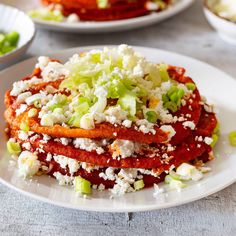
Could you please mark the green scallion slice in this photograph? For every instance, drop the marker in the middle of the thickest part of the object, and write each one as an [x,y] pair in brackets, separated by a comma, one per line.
[13,148]
[139,184]
[232,138]
[82,185]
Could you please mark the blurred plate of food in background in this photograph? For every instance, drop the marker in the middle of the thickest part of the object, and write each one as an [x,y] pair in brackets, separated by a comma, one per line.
[99,16]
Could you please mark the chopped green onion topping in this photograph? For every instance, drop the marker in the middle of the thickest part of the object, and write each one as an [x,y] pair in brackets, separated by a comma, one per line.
[8,42]
[47,15]
[174,175]
[232,138]
[190,86]
[37,104]
[172,99]
[128,103]
[32,112]
[171,106]
[172,90]
[152,116]
[215,139]
[173,183]
[217,128]
[13,148]
[163,69]
[24,126]
[102,3]
[82,185]
[139,184]
[165,98]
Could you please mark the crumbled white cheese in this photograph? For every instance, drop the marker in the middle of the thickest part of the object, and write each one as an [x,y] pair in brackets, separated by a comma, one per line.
[208,108]
[22,97]
[101,187]
[169,130]
[49,157]
[22,135]
[34,137]
[127,123]
[23,85]
[115,115]
[208,140]
[152,6]
[54,71]
[122,148]
[63,179]
[64,161]
[28,164]
[21,109]
[27,146]
[72,18]
[145,126]
[88,145]
[42,62]
[189,124]
[65,141]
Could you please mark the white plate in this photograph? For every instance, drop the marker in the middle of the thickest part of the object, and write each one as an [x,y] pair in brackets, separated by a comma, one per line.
[14,20]
[108,26]
[214,84]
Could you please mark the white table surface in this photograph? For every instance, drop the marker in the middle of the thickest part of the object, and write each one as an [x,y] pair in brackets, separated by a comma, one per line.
[187,33]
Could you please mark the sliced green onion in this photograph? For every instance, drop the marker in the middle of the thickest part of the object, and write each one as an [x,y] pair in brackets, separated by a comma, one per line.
[163,69]
[82,108]
[76,121]
[13,148]
[128,103]
[32,112]
[171,106]
[37,104]
[102,3]
[174,97]
[165,98]
[24,126]
[46,15]
[232,138]
[180,93]
[84,100]
[117,90]
[173,183]
[82,185]
[47,120]
[152,116]
[190,86]
[174,175]
[12,38]
[58,110]
[187,172]
[172,90]
[139,184]
[87,122]
[8,42]
[217,128]
[215,139]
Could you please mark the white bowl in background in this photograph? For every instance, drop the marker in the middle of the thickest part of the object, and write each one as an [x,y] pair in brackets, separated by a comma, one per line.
[225,27]
[14,20]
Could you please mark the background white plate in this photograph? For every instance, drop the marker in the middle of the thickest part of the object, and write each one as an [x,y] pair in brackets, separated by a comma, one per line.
[108,26]
[214,84]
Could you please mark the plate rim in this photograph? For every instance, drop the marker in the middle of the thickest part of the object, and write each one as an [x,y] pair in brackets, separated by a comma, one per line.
[138,208]
[115,25]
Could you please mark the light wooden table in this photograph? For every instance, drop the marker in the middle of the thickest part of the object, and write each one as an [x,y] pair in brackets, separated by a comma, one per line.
[189,34]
